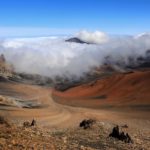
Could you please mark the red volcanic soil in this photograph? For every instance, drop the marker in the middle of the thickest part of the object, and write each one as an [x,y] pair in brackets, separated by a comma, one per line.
[122,89]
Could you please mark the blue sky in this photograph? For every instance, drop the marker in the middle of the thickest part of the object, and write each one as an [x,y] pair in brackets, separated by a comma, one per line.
[50,17]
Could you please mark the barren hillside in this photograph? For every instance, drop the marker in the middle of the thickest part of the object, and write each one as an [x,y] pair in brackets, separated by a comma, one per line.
[119,89]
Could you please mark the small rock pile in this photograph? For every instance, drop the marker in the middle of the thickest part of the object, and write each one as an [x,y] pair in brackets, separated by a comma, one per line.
[85,124]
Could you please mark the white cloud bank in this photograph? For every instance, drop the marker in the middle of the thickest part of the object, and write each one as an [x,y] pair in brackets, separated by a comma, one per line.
[51,56]
[96,37]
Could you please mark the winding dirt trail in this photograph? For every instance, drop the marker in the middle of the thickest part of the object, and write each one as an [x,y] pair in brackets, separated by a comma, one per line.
[53,115]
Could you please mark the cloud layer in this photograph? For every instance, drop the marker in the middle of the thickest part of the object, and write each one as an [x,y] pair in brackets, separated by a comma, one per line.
[52,56]
[96,37]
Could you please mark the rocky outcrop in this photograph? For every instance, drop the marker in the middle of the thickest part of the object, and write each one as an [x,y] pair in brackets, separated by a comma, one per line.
[120,135]
[6,70]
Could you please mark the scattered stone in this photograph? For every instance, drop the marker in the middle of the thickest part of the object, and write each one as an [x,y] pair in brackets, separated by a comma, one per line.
[82,147]
[33,123]
[28,124]
[13,142]
[87,123]
[16,137]
[128,138]
[2,141]
[125,126]
[3,120]
[138,141]
[64,139]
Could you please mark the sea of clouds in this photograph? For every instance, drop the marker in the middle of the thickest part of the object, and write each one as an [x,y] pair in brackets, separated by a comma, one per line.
[50,56]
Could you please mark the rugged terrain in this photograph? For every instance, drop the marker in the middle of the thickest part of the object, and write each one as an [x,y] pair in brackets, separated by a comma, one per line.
[119,98]
[129,89]
[96,138]
[58,125]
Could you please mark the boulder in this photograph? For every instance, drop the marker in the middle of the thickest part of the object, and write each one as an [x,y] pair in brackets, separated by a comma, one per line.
[86,123]
[120,135]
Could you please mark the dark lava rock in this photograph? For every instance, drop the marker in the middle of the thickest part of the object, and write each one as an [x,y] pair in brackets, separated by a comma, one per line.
[33,123]
[28,124]
[120,136]
[85,124]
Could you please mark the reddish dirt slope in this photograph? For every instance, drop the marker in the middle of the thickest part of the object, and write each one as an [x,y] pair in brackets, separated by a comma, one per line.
[129,88]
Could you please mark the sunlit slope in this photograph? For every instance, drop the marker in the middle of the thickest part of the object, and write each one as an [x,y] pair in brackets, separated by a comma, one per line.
[122,88]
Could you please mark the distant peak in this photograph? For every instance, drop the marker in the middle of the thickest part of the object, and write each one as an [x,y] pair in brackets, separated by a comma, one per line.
[76,40]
